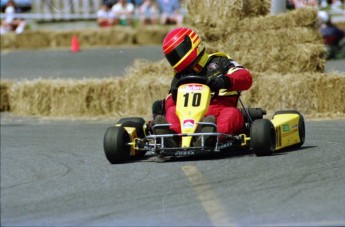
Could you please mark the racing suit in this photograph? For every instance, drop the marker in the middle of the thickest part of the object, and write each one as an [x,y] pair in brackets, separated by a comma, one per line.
[229,118]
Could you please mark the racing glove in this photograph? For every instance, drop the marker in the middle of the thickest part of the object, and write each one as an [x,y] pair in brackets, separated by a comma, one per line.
[219,82]
[158,108]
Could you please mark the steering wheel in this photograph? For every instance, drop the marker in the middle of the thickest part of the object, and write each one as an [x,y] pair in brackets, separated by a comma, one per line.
[192,79]
[196,79]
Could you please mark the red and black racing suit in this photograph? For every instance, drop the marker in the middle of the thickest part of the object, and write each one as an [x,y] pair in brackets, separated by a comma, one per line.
[229,118]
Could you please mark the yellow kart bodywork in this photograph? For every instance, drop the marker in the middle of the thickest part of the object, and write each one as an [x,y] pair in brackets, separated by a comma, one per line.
[287,128]
[192,103]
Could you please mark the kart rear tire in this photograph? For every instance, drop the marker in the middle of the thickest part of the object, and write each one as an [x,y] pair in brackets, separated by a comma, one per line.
[301,124]
[137,122]
[263,137]
[115,144]
[134,119]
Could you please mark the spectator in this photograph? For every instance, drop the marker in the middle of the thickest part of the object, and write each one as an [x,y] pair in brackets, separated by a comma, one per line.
[333,36]
[11,23]
[290,4]
[148,12]
[170,12]
[303,3]
[105,17]
[337,6]
[124,12]
[323,4]
[109,3]
[183,8]
[136,3]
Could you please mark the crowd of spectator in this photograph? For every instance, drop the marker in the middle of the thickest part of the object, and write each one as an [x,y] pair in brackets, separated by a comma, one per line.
[334,5]
[108,12]
[142,12]
[124,12]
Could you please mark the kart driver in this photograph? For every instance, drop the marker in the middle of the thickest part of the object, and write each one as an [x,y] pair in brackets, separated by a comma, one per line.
[186,54]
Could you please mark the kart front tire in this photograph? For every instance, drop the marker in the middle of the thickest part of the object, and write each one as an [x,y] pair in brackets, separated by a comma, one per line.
[262,137]
[115,144]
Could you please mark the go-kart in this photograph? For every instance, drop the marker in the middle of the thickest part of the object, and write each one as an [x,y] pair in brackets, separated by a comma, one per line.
[133,137]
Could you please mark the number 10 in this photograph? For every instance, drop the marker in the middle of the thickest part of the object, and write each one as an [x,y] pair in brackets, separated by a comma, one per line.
[196,99]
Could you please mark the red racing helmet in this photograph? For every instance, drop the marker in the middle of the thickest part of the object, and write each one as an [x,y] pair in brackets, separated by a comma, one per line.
[182,48]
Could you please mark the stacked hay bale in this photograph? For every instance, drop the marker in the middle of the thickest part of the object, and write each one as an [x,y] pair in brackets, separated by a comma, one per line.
[290,41]
[214,20]
[314,94]
[284,53]
[87,37]
[89,97]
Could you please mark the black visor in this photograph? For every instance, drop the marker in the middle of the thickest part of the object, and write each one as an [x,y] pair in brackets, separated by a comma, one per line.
[180,51]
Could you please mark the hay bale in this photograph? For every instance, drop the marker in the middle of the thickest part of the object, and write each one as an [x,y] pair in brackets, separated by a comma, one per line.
[88,38]
[146,69]
[288,42]
[297,58]
[255,8]
[211,18]
[5,86]
[33,39]
[30,98]
[94,37]
[60,39]
[214,20]
[302,17]
[88,97]
[151,34]
[29,39]
[220,11]
[267,39]
[108,37]
[316,94]
[8,41]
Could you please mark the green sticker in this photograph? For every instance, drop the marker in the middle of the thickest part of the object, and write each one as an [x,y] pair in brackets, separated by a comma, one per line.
[286,128]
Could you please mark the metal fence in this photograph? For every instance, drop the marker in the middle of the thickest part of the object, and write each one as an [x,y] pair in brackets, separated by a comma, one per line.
[66,6]
[62,9]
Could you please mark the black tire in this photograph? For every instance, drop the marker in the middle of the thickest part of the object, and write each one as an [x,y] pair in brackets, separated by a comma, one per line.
[115,144]
[134,119]
[136,122]
[263,137]
[301,125]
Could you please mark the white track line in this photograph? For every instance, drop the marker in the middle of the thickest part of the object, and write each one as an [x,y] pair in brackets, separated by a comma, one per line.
[211,203]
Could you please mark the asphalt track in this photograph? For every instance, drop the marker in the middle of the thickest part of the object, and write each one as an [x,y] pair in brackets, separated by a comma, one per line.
[54,173]
[62,63]
[88,63]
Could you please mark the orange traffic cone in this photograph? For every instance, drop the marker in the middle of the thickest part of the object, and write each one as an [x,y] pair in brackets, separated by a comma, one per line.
[75,44]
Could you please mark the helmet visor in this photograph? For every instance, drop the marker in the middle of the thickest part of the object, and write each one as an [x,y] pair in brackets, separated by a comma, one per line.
[180,51]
